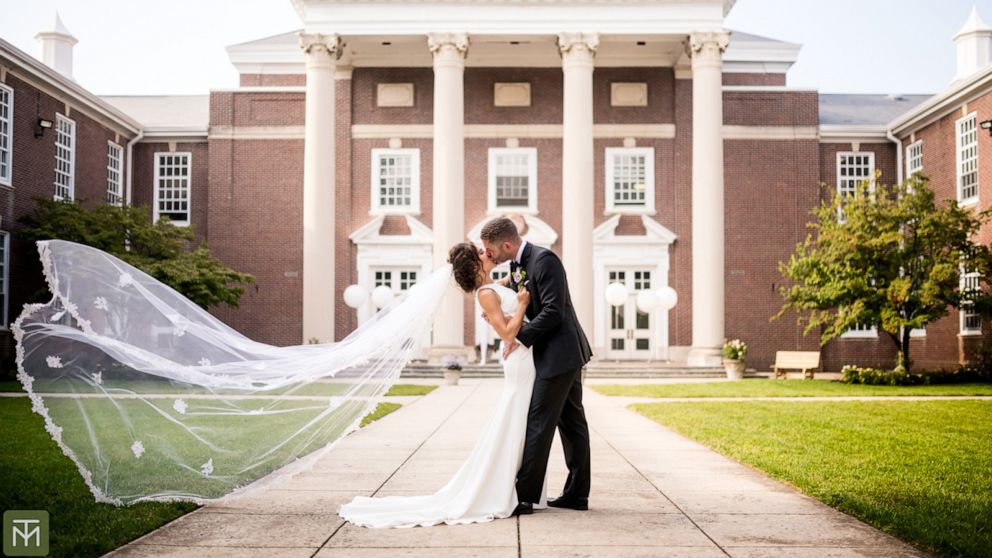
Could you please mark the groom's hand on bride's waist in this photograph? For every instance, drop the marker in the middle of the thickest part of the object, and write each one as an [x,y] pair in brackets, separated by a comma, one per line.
[509,349]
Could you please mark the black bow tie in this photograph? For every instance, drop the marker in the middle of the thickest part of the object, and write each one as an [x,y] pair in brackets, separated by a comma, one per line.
[514,266]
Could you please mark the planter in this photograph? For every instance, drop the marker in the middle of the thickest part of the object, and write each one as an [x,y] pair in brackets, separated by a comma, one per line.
[734,368]
[451,376]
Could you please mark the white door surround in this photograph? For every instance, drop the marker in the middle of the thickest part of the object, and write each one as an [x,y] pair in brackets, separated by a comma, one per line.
[649,251]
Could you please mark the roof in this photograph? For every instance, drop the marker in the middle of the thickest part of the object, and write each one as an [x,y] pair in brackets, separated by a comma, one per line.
[42,74]
[165,113]
[854,109]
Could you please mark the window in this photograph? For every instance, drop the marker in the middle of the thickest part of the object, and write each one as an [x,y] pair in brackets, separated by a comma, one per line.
[630,180]
[396,180]
[115,190]
[861,330]
[65,157]
[399,280]
[513,179]
[852,169]
[971,322]
[5,264]
[172,184]
[967,159]
[6,133]
[914,159]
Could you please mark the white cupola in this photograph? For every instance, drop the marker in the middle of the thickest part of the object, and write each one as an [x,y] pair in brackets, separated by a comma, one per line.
[56,47]
[974,42]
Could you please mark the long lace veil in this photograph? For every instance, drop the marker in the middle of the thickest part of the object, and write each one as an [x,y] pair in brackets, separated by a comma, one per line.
[153,398]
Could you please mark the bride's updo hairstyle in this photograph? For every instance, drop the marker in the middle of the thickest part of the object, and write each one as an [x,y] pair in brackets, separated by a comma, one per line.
[465,261]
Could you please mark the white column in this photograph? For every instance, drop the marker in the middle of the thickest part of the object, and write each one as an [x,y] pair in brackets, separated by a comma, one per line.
[321,53]
[578,195]
[449,51]
[707,198]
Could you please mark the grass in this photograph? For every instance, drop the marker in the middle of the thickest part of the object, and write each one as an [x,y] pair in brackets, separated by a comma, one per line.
[36,475]
[786,388]
[315,389]
[919,470]
[410,389]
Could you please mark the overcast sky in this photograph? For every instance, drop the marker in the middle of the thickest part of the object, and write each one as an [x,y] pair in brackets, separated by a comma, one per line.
[177,47]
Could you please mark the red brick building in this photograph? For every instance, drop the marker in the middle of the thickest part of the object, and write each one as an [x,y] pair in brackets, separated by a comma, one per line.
[356,153]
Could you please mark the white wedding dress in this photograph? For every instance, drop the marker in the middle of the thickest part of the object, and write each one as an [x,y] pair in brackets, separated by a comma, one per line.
[484,488]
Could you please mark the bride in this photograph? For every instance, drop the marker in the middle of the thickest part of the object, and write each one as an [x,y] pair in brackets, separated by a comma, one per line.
[483,489]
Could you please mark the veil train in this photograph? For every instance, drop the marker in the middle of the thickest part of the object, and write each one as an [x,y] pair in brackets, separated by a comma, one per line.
[153,398]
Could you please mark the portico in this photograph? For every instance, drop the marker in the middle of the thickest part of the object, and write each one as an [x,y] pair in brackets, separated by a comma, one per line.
[452,36]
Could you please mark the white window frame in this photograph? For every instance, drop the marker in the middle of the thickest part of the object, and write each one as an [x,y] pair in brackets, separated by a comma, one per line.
[70,162]
[531,153]
[7,155]
[115,187]
[914,158]
[649,176]
[857,333]
[842,188]
[189,185]
[963,314]
[959,156]
[5,288]
[414,207]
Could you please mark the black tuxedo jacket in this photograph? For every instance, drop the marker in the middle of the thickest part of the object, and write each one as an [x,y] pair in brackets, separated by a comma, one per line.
[553,332]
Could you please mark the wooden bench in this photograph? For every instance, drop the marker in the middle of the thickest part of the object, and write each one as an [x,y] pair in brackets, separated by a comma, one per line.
[806,361]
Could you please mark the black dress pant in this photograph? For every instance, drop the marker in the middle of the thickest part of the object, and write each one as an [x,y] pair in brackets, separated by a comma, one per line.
[555,402]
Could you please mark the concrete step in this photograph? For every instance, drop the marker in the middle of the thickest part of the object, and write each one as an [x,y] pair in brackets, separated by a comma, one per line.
[598,369]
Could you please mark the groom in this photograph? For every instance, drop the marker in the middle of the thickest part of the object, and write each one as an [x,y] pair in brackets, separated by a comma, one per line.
[560,351]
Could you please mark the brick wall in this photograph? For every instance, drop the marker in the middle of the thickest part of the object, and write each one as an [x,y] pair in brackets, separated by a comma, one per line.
[33,175]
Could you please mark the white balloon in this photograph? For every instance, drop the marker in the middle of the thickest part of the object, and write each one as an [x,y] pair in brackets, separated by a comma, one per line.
[647,301]
[381,296]
[667,297]
[616,294]
[355,296]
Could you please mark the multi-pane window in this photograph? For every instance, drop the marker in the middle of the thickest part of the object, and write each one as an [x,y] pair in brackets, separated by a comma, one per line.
[914,158]
[642,280]
[967,159]
[971,322]
[5,264]
[115,185]
[172,187]
[396,180]
[513,178]
[65,157]
[399,280]
[862,330]
[852,169]
[6,133]
[617,313]
[630,179]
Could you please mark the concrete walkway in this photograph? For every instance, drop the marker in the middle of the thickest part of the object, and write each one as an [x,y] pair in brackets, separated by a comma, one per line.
[655,494]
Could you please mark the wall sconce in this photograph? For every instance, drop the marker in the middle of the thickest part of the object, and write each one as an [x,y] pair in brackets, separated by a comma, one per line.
[39,129]
[986,125]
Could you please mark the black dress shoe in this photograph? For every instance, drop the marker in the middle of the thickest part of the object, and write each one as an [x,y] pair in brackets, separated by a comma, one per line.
[523,508]
[581,504]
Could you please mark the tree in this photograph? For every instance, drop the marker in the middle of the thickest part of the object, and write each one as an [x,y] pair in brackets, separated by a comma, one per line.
[159,249]
[888,256]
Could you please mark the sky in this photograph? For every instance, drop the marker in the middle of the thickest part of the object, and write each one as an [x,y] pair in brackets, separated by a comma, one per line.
[141,47]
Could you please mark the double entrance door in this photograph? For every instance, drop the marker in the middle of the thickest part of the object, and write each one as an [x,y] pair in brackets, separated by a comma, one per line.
[629,332]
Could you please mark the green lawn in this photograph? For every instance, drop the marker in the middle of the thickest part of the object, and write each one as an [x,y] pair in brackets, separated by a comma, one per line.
[760,387]
[36,475]
[316,388]
[920,470]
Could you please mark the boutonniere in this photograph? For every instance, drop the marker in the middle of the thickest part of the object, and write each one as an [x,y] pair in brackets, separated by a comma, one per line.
[518,277]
